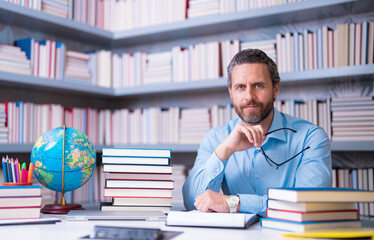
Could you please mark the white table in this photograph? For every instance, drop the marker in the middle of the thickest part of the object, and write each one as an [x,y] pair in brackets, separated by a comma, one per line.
[76,229]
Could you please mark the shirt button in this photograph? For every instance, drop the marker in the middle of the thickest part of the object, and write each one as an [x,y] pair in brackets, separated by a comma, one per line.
[258,176]
[217,170]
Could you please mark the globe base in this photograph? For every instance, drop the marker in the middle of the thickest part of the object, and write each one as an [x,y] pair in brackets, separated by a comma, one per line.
[59,209]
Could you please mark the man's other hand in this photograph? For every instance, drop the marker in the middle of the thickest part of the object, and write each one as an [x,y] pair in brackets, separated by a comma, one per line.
[210,201]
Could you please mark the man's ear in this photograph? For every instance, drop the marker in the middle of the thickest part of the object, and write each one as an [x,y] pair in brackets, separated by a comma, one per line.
[229,88]
[276,89]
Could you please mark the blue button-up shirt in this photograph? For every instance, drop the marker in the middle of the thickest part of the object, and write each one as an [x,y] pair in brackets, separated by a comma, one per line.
[248,174]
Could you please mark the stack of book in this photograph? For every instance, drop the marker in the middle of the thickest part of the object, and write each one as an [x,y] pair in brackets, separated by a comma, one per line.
[3,128]
[139,179]
[158,68]
[194,124]
[77,66]
[198,8]
[305,209]
[20,202]
[352,119]
[13,59]
[61,8]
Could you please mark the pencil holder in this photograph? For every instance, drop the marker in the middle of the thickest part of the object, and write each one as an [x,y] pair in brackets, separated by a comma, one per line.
[7,184]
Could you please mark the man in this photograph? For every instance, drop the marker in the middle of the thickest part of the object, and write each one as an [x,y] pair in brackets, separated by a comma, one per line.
[262,149]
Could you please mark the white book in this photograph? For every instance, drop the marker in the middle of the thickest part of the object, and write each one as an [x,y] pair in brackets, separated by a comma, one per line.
[210,219]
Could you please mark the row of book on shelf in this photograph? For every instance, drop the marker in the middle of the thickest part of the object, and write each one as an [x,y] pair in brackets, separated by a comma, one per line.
[349,44]
[343,119]
[306,209]
[122,15]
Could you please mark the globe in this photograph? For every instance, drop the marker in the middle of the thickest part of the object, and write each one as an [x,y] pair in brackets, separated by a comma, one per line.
[80,159]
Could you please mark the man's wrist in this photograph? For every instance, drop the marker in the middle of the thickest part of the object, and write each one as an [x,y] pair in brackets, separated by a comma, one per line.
[223,153]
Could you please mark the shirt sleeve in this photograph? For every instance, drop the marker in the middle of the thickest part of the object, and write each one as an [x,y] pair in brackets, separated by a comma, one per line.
[207,173]
[315,169]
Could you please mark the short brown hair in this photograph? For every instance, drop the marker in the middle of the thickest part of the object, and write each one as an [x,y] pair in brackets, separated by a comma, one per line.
[253,56]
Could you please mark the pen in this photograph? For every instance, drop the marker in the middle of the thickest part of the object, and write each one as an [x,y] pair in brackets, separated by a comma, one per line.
[23,167]
[4,170]
[24,174]
[31,169]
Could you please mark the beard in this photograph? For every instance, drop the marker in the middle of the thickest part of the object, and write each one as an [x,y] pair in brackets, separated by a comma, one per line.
[254,117]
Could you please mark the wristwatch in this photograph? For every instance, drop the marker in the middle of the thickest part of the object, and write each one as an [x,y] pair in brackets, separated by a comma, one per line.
[233,202]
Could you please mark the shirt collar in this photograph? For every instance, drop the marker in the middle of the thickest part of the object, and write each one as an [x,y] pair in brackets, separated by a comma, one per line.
[276,124]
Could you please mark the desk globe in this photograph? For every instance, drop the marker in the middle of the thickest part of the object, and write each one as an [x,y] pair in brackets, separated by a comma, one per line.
[48,153]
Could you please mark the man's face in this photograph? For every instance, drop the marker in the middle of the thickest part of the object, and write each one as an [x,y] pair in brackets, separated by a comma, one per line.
[252,92]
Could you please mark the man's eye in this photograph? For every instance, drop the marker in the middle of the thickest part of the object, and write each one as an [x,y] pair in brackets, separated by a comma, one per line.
[258,86]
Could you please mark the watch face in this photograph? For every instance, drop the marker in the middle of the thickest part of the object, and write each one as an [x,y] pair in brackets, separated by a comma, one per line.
[234,200]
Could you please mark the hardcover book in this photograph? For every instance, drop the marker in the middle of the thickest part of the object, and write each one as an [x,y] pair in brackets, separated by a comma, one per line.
[306,226]
[321,194]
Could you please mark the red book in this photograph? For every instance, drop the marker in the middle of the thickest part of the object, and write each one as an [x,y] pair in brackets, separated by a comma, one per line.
[318,216]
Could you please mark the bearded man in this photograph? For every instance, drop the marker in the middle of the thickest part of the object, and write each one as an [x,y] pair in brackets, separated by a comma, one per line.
[261,149]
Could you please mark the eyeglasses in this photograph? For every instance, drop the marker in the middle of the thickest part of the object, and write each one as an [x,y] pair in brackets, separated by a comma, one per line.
[271,162]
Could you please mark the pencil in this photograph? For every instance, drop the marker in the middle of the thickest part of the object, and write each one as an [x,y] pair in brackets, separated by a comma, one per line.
[16,169]
[4,170]
[13,173]
[9,170]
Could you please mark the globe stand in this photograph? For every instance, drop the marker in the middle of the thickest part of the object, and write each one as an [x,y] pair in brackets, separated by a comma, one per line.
[61,208]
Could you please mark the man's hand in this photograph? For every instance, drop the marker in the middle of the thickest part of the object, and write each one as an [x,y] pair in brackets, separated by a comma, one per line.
[242,137]
[210,201]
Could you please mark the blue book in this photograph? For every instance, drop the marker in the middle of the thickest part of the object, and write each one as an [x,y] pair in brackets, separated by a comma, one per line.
[7,191]
[319,49]
[290,226]
[321,194]
[27,45]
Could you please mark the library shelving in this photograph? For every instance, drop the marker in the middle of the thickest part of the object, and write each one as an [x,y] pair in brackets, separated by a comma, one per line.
[331,74]
[191,148]
[314,11]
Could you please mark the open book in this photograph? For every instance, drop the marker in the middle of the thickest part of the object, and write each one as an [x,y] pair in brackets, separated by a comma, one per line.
[210,219]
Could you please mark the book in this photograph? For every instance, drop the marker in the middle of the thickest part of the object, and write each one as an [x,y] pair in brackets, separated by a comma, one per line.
[135,160]
[139,152]
[141,201]
[140,176]
[48,220]
[136,192]
[20,201]
[321,194]
[111,183]
[105,206]
[361,233]
[20,191]
[309,207]
[306,226]
[20,212]
[210,219]
[128,168]
[312,216]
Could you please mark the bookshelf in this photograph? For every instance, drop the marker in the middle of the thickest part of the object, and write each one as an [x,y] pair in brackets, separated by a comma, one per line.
[332,74]
[191,148]
[205,25]
[192,29]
